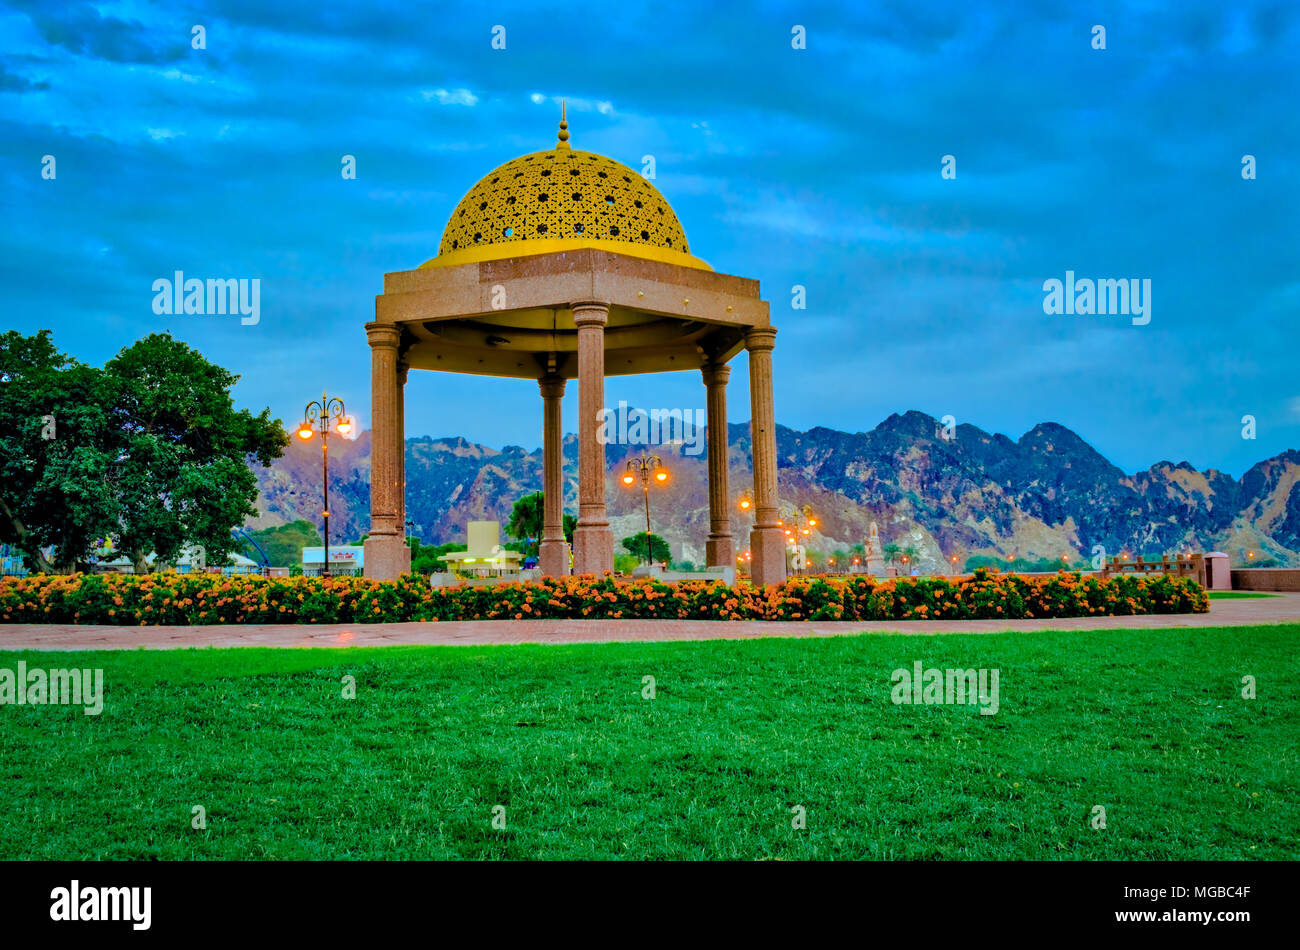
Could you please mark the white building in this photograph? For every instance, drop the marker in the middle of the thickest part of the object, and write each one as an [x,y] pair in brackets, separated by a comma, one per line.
[344,559]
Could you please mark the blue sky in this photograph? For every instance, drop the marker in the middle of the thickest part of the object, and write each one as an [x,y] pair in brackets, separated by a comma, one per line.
[819,167]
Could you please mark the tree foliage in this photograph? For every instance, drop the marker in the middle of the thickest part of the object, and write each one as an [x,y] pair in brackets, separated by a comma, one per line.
[659,551]
[148,452]
[425,557]
[528,520]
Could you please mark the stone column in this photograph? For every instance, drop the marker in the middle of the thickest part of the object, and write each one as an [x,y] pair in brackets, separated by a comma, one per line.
[402,371]
[720,549]
[593,543]
[387,555]
[553,557]
[766,540]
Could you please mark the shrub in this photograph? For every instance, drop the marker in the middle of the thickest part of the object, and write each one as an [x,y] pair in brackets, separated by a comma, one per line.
[198,599]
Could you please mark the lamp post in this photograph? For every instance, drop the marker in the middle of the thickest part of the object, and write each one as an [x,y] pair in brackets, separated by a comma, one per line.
[316,417]
[646,467]
[803,525]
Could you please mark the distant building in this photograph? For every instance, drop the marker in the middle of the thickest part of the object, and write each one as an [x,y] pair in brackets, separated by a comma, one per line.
[11,562]
[185,563]
[346,559]
[484,557]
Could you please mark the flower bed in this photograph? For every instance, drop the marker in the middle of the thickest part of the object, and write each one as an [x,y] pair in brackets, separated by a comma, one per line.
[196,599]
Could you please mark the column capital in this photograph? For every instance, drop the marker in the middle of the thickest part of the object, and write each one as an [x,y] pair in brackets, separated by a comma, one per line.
[590,313]
[715,374]
[760,338]
[383,334]
[551,387]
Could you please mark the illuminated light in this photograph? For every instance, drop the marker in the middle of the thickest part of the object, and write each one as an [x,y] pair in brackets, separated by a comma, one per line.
[304,432]
[627,479]
[344,426]
[744,503]
[811,523]
[662,476]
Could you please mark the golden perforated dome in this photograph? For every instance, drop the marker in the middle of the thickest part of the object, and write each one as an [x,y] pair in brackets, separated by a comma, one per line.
[563,199]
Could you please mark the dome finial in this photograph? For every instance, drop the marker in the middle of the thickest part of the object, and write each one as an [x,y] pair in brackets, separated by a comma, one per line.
[564,129]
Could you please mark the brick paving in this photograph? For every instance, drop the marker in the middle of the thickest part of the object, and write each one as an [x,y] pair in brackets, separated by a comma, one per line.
[1284,608]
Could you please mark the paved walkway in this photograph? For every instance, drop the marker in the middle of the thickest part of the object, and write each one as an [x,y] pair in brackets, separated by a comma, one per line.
[1284,608]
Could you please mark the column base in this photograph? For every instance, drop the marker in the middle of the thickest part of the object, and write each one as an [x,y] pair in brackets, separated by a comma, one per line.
[593,549]
[767,549]
[553,557]
[387,557]
[720,551]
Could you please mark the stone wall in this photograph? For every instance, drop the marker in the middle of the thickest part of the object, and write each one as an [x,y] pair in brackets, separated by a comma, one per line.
[1266,578]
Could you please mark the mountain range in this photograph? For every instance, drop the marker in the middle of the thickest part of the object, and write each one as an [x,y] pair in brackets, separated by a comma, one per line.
[943,492]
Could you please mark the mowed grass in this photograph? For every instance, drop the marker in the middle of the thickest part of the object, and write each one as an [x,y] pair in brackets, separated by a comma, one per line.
[1149,724]
[1236,595]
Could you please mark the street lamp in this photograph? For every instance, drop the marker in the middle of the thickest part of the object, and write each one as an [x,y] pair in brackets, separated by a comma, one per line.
[803,523]
[317,417]
[647,467]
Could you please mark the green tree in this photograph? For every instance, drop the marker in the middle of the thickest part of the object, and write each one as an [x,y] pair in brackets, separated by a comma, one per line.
[528,520]
[659,553]
[148,452]
[424,557]
[183,475]
[56,453]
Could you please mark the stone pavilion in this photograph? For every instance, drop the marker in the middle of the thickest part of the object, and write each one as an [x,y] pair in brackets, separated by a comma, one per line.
[566,265]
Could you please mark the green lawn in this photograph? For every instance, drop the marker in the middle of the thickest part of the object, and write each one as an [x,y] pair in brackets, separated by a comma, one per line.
[1149,724]
[1236,595]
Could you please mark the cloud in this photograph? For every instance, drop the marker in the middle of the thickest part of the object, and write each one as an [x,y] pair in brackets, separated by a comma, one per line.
[450,97]
[817,167]
[11,83]
[80,28]
[575,104]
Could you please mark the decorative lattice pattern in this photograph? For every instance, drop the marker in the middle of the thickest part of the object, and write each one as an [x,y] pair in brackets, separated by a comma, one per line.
[563,193]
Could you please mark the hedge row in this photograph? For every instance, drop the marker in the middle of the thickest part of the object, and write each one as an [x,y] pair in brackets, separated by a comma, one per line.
[196,599]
